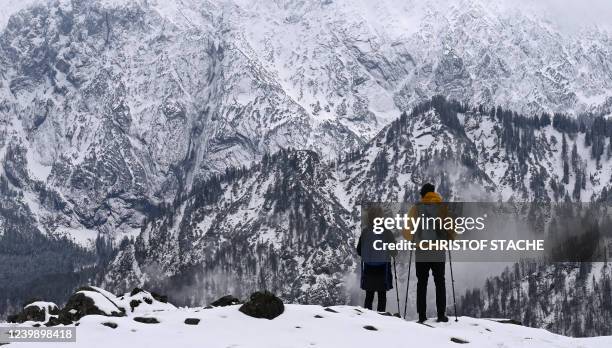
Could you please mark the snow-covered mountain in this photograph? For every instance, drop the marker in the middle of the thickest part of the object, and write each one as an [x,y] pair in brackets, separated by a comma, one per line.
[573,299]
[289,222]
[204,130]
[119,107]
[299,215]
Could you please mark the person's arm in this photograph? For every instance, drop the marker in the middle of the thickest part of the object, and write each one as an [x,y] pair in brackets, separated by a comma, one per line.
[359,246]
[407,232]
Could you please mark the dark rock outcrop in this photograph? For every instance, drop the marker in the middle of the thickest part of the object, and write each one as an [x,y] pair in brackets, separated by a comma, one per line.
[160,298]
[34,311]
[192,321]
[80,305]
[227,300]
[134,304]
[508,321]
[136,291]
[146,320]
[263,304]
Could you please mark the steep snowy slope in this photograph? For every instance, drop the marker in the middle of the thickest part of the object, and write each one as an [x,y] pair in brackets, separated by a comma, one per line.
[277,225]
[572,299]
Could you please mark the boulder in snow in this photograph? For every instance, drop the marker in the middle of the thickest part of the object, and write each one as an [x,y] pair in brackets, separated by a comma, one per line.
[192,321]
[160,298]
[146,320]
[141,301]
[263,304]
[110,324]
[227,300]
[459,340]
[35,311]
[88,301]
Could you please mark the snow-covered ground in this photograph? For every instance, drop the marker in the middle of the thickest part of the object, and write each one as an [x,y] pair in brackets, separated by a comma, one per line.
[305,326]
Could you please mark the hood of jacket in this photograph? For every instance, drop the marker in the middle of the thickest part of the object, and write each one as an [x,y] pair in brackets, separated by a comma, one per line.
[431,197]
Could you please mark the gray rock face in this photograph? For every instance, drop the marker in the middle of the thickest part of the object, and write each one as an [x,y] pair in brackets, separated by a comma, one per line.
[122,107]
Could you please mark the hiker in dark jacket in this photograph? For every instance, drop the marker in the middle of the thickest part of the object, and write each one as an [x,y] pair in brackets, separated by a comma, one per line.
[376,274]
[425,260]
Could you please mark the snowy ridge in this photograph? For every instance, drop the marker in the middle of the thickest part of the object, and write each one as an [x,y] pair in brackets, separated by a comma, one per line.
[301,326]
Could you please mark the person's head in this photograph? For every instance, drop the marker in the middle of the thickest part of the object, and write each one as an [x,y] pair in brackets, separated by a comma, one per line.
[372,213]
[427,188]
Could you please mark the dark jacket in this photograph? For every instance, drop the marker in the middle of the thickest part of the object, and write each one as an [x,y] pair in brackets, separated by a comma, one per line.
[431,205]
[376,273]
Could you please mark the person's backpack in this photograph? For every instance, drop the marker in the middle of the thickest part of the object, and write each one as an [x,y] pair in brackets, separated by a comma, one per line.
[369,255]
[432,231]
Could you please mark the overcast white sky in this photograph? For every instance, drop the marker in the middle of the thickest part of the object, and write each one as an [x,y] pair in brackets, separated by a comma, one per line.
[568,13]
[575,13]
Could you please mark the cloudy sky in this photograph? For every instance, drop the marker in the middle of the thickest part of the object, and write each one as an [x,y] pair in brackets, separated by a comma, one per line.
[574,13]
[570,14]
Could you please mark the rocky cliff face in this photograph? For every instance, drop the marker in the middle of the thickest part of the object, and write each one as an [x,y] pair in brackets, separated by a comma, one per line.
[120,106]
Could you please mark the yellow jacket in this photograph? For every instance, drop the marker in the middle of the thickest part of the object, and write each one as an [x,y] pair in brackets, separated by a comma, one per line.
[430,197]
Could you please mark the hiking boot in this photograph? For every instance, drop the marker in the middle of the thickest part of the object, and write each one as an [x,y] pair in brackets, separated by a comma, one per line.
[442,319]
[422,319]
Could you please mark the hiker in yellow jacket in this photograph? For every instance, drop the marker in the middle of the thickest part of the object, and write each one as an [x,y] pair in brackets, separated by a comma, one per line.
[430,206]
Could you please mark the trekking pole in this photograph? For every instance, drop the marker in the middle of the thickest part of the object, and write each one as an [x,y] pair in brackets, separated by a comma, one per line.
[399,312]
[450,262]
[408,284]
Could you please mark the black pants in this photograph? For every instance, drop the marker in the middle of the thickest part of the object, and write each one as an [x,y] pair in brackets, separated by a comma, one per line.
[422,273]
[382,300]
